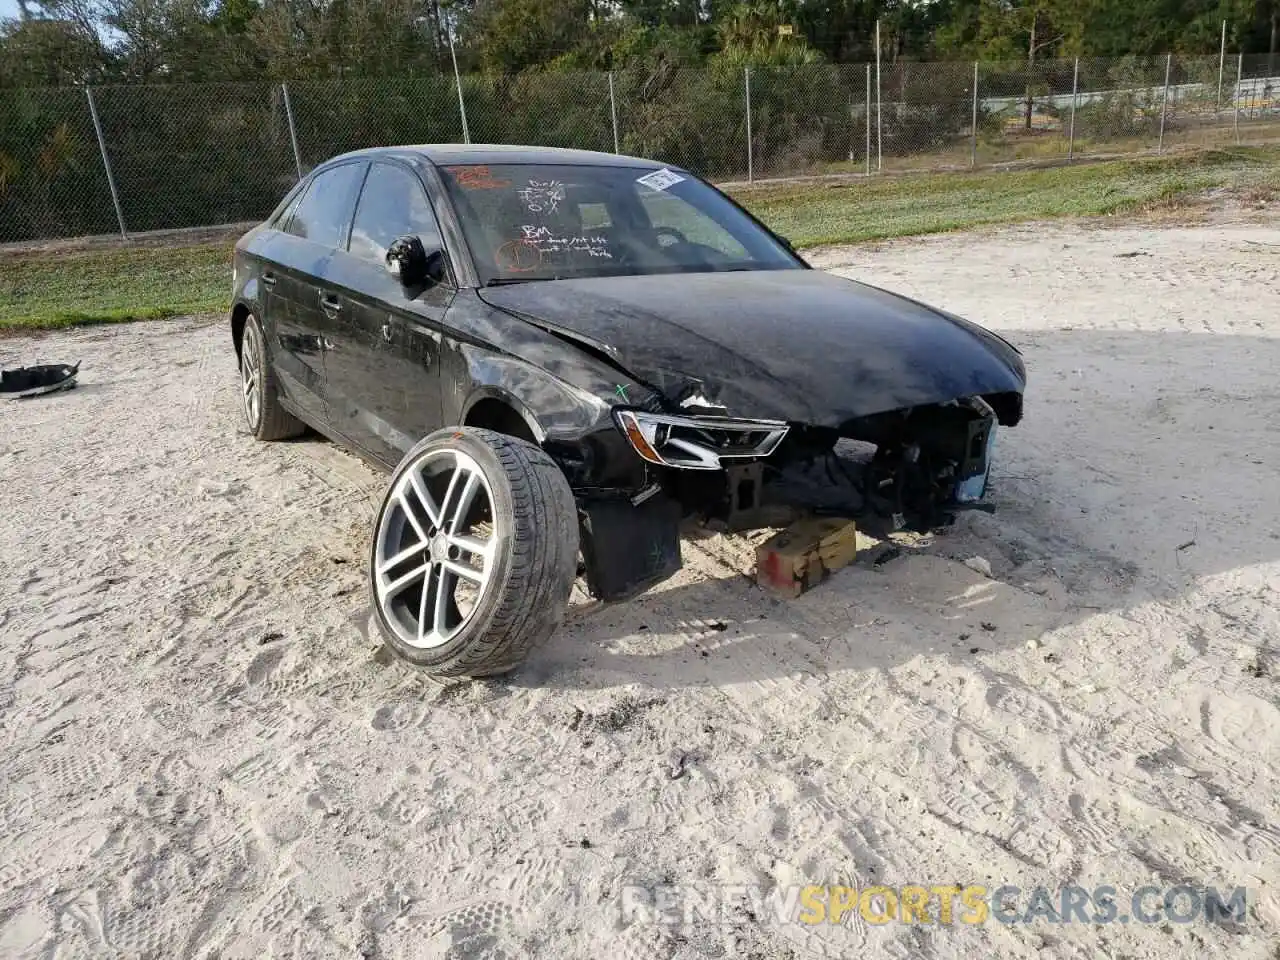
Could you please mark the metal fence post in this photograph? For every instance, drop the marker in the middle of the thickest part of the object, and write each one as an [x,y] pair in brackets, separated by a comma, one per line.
[853,114]
[613,113]
[1236,101]
[868,120]
[1075,95]
[106,162]
[457,79]
[293,130]
[751,171]
[879,106]
[973,147]
[1222,60]
[1164,100]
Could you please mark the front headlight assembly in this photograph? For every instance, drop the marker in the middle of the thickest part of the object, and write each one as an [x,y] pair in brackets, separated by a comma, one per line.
[698,443]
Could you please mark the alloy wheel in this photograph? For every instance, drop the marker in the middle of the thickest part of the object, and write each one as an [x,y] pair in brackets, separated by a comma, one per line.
[434,548]
[250,373]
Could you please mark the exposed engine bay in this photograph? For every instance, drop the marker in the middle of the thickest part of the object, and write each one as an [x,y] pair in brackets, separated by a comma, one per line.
[909,470]
[903,469]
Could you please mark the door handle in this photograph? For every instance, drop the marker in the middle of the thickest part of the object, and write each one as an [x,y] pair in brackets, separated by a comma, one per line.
[268,279]
[387,332]
[330,305]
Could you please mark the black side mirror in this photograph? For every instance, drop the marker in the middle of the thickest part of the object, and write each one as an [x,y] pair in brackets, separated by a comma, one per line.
[413,264]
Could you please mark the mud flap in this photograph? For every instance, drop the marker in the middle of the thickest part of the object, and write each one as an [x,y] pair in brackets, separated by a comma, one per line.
[629,548]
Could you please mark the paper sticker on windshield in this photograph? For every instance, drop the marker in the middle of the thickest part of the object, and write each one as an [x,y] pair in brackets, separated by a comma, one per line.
[660,179]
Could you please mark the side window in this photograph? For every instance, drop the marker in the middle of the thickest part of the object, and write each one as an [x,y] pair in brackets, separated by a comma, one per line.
[392,205]
[287,206]
[668,211]
[322,214]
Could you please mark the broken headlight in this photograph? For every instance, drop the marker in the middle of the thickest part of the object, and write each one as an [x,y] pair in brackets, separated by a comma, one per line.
[698,443]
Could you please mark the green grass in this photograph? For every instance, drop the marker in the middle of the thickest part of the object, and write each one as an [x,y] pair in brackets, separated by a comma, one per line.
[812,214]
[49,289]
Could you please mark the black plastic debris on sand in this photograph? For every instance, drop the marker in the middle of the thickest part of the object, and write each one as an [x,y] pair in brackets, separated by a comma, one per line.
[24,382]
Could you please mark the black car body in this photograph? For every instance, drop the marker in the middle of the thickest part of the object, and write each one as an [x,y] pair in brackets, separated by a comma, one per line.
[737,388]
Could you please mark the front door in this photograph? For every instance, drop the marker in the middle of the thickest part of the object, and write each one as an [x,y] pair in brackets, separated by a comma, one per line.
[382,365]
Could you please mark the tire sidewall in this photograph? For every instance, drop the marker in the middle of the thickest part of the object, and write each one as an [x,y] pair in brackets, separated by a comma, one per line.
[503,507]
[260,388]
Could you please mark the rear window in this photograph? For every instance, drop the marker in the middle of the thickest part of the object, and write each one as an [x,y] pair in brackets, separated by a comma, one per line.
[280,216]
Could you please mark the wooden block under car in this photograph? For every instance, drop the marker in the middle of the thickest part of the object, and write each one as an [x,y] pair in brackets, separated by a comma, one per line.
[799,557]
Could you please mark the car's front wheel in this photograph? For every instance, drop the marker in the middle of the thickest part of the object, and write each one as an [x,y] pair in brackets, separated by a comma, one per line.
[262,411]
[474,553]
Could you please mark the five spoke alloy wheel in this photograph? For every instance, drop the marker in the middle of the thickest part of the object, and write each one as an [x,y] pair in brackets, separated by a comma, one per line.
[432,564]
[259,390]
[251,375]
[474,552]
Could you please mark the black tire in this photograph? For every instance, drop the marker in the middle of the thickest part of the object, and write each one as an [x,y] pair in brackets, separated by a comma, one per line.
[272,421]
[534,565]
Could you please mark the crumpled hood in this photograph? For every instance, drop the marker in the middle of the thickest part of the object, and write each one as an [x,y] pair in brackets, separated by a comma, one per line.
[798,345]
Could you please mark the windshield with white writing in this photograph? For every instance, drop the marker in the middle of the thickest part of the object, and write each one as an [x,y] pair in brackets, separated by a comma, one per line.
[527,221]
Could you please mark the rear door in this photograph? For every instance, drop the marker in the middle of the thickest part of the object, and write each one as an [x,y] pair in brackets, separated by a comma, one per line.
[267,246]
[384,358]
[302,253]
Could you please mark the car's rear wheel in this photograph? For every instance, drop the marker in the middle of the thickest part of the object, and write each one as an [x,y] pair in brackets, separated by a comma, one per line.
[474,553]
[262,411]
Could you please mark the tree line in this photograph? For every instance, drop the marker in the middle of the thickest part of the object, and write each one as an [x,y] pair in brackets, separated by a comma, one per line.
[72,42]
[208,109]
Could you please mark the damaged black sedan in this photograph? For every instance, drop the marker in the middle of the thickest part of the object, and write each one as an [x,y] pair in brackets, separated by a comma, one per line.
[561,357]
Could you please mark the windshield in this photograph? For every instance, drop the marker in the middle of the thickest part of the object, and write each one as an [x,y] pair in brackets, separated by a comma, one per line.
[526,221]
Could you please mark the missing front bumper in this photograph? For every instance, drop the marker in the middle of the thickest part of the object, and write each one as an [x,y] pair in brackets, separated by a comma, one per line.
[917,482]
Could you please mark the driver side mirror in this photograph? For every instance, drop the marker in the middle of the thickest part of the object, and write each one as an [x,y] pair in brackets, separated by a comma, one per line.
[413,264]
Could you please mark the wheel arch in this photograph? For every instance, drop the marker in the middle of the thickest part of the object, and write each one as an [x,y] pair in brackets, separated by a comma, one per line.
[239,317]
[493,408]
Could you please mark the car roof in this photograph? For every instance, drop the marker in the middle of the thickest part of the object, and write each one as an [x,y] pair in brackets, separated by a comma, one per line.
[482,153]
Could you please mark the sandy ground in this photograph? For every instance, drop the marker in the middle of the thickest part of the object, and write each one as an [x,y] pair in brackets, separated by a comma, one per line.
[205,755]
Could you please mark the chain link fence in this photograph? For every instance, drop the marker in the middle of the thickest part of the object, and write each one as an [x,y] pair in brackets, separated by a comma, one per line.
[131,159]
[689,117]
[52,181]
[331,118]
